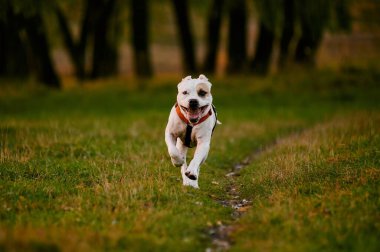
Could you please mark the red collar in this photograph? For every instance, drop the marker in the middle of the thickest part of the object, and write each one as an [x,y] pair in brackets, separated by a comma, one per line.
[184,119]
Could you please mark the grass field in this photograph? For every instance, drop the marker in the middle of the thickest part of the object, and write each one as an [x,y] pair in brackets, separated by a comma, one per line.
[87,168]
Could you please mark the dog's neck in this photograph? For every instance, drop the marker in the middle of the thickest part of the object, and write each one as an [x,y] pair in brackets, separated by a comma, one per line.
[185,120]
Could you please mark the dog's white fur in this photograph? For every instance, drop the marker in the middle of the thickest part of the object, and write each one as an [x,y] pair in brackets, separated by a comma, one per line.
[188,89]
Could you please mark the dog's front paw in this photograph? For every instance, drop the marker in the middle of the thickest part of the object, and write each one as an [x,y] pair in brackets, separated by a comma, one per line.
[177,159]
[190,175]
[192,183]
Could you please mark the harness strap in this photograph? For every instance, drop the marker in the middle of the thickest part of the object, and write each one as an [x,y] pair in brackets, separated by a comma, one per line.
[189,129]
[216,117]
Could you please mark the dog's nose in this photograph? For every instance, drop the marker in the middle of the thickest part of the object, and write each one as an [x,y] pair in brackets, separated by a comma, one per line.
[193,103]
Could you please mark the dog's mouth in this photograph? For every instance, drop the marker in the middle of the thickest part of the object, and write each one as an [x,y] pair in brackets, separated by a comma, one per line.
[194,114]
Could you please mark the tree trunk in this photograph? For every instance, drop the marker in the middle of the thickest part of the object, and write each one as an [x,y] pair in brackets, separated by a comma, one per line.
[307,45]
[314,16]
[187,44]
[261,60]
[87,29]
[13,52]
[287,31]
[3,49]
[104,61]
[42,62]
[142,61]
[77,50]
[213,35]
[237,36]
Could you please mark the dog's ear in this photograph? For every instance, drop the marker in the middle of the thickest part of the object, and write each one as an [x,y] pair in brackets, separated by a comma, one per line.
[203,77]
[184,79]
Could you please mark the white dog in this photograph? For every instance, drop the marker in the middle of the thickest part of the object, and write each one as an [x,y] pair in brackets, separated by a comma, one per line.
[191,123]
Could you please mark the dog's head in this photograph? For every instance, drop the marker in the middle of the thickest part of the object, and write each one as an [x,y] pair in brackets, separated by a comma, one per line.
[194,97]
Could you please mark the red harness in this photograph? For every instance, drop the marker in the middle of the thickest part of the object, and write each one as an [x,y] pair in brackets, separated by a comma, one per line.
[184,119]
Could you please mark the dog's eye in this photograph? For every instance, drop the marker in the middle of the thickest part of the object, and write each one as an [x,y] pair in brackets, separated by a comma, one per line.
[185,92]
[202,93]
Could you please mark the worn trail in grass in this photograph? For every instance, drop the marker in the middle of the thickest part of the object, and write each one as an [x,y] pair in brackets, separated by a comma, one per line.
[221,233]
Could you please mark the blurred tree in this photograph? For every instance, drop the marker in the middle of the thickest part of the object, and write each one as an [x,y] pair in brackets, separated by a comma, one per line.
[213,35]
[287,32]
[95,27]
[140,38]
[76,49]
[13,53]
[342,14]
[104,56]
[23,22]
[269,20]
[237,36]
[42,63]
[184,30]
[313,17]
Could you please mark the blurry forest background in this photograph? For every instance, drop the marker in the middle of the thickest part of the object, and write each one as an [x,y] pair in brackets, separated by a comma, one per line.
[89,39]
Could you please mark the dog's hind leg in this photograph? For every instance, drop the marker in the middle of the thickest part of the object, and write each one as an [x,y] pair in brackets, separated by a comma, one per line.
[186,181]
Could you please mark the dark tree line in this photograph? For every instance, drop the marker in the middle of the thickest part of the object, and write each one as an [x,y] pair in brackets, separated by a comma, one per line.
[277,21]
[24,47]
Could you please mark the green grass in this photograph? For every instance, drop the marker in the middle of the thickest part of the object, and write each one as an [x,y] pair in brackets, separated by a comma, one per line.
[87,168]
[317,191]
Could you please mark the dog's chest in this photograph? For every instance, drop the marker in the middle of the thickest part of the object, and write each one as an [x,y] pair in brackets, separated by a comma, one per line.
[184,134]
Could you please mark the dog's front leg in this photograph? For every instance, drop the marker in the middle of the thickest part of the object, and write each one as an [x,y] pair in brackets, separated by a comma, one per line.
[186,181]
[200,156]
[177,158]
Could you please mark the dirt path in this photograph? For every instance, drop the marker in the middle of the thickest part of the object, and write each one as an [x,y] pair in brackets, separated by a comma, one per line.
[221,233]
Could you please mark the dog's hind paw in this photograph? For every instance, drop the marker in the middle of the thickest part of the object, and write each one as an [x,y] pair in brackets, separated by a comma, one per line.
[190,175]
[177,161]
[177,158]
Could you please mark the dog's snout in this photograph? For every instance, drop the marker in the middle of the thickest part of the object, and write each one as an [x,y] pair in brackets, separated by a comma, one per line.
[193,103]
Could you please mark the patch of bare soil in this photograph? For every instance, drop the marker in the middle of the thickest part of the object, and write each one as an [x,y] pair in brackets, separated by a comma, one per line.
[220,233]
